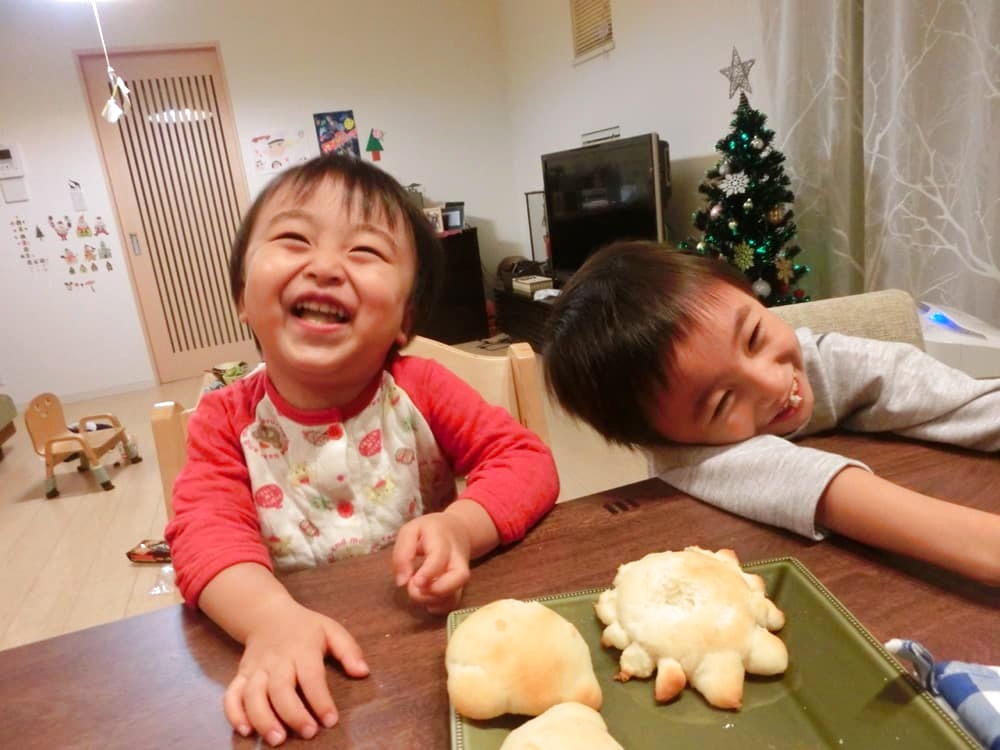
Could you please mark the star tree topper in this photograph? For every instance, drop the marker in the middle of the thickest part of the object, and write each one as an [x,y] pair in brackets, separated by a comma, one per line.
[738,74]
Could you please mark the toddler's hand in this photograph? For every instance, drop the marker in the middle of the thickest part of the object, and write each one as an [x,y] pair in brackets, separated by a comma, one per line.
[282,653]
[436,581]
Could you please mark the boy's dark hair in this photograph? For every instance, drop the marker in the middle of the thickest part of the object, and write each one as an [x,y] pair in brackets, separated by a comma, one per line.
[611,334]
[380,195]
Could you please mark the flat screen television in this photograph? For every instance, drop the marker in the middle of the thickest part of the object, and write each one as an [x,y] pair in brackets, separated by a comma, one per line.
[614,190]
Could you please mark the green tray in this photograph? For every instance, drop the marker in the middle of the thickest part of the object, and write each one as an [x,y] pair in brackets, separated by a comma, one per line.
[841,689]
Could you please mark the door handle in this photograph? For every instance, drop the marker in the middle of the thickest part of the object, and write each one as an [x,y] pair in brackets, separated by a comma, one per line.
[133,240]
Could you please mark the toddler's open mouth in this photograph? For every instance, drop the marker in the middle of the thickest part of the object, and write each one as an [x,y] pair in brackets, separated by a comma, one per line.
[320,312]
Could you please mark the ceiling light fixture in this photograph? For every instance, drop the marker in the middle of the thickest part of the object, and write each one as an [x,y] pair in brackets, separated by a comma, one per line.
[118,102]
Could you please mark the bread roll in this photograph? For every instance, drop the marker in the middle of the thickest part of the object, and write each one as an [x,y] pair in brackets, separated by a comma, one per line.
[566,726]
[520,658]
[692,616]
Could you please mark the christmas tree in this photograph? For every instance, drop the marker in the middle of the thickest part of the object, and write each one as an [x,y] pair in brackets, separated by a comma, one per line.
[747,218]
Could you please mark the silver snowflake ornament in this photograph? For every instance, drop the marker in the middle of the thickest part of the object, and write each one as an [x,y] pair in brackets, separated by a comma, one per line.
[734,184]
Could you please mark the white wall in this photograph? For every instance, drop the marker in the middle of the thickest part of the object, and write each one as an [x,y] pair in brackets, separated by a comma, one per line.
[426,73]
[662,76]
[469,93]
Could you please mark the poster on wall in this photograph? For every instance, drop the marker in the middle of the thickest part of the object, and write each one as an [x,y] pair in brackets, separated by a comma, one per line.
[337,132]
[277,149]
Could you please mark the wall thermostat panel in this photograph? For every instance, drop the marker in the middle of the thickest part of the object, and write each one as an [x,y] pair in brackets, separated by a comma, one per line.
[10,161]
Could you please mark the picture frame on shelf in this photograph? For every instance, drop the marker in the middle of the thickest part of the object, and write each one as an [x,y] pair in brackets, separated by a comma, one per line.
[435,218]
[537,225]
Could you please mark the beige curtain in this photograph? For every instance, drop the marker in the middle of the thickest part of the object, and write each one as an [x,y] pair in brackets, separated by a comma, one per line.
[888,112]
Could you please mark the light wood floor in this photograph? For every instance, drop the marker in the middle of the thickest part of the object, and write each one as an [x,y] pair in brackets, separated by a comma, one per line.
[62,561]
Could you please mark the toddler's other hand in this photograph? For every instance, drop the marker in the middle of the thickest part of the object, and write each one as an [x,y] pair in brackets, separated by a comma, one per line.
[431,558]
[284,652]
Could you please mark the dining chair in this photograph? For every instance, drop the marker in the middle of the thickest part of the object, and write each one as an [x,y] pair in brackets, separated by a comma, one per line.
[56,442]
[512,381]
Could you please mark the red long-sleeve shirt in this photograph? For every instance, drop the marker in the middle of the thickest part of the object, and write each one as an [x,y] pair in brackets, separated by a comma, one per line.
[221,507]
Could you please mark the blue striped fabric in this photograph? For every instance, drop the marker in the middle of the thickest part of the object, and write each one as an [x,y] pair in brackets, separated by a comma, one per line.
[972,690]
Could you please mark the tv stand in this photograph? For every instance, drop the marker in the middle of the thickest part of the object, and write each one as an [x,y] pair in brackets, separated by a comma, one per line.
[522,318]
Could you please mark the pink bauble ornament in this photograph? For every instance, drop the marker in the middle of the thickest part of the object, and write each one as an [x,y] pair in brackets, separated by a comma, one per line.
[716,211]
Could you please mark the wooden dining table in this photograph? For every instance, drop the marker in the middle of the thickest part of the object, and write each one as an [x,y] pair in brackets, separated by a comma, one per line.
[156,680]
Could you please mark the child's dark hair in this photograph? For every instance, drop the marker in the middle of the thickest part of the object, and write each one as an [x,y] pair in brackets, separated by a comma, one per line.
[611,334]
[379,194]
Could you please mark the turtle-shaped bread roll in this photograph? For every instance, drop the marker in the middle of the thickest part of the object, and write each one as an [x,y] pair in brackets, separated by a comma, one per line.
[693,616]
[519,658]
[566,726]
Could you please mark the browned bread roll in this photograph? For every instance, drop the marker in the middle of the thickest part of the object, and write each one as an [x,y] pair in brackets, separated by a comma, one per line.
[566,726]
[520,658]
[692,616]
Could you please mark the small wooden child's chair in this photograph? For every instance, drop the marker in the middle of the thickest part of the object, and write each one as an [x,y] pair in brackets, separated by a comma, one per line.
[53,440]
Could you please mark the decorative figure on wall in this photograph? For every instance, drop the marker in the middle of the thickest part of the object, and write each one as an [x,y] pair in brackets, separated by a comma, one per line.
[374,146]
[337,132]
[69,256]
[82,227]
[89,253]
[38,233]
[61,226]
[277,149]
[99,227]
[104,251]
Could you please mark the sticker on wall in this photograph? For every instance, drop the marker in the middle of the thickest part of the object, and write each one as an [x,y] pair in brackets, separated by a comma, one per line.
[72,286]
[61,226]
[99,227]
[89,253]
[19,231]
[76,196]
[337,132]
[82,227]
[278,149]
[39,234]
[374,146]
[104,251]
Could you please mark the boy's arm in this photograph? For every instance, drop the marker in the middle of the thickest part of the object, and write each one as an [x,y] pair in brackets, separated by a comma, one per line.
[766,478]
[285,647]
[875,511]
[509,471]
[478,526]
[215,523]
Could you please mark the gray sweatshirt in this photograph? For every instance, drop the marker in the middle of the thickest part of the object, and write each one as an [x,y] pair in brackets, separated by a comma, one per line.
[860,385]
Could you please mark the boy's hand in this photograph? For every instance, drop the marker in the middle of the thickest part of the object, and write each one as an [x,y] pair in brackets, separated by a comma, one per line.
[285,651]
[431,558]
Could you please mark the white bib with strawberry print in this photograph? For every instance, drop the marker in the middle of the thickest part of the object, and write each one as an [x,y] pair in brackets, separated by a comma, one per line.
[330,491]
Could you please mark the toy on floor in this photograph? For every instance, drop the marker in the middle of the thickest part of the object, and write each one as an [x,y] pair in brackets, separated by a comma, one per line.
[149,551]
